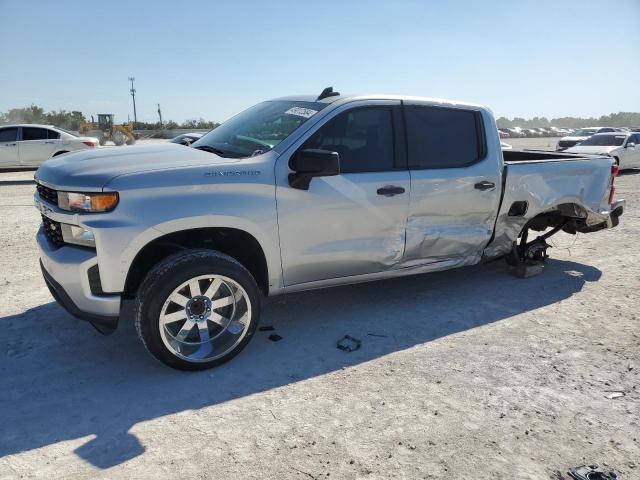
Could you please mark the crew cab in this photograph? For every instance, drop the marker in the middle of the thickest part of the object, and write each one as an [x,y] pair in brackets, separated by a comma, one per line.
[293,194]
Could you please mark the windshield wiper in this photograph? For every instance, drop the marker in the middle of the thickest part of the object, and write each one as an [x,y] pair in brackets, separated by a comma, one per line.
[210,149]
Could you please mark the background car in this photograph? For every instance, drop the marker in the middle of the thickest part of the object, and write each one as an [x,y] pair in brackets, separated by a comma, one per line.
[580,135]
[30,145]
[516,132]
[624,147]
[187,138]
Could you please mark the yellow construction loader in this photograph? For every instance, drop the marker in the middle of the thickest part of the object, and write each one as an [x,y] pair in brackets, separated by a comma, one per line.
[105,130]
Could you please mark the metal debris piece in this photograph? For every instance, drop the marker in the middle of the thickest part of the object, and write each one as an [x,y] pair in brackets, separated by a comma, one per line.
[612,395]
[266,328]
[377,335]
[348,344]
[274,337]
[591,472]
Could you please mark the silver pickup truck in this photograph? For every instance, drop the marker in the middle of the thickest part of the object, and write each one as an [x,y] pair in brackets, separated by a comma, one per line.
[293,194]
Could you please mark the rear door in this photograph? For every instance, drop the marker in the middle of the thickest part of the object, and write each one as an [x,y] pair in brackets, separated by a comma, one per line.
[9,147]
[352,223]
[34,146]
[455,183]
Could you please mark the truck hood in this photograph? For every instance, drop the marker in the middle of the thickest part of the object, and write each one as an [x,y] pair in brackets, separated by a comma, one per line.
[592,149]
[90,170]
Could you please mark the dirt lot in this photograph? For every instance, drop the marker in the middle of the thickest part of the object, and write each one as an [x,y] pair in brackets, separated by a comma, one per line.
[470,373]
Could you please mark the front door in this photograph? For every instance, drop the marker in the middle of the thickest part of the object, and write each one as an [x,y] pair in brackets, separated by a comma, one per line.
[352,223]
[9,147]
[633,153]
[455,183]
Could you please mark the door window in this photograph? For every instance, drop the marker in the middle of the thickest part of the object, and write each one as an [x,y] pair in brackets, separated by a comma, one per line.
[32,133]
[443,137]
[8,134]
[363,137]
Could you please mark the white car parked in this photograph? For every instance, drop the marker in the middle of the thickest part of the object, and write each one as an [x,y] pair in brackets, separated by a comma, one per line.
[580,135]
[624,147]
[30,145]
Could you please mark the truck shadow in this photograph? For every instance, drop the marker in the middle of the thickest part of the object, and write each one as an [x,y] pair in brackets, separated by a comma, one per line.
[63,382]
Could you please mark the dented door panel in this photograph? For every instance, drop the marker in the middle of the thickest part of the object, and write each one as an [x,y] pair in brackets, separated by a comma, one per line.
[448,216]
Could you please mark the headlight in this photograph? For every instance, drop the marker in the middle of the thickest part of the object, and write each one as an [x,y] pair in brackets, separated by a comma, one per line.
[87,202]
[77,235]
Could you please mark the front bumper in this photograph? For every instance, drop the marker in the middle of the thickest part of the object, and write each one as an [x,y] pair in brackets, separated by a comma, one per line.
[66,272]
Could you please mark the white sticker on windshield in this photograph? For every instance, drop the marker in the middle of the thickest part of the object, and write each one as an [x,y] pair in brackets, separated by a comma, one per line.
[301,112]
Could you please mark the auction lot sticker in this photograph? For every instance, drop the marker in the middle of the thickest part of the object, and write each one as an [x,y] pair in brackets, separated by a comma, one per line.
[301,112]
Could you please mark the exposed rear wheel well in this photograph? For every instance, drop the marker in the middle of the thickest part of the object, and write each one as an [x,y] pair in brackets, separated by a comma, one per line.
[236,243]
[59,153]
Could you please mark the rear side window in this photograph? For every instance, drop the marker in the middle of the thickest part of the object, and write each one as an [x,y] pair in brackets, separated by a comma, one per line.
[363,137]
[52,134]
[8,134]
[443,137]
[31,133]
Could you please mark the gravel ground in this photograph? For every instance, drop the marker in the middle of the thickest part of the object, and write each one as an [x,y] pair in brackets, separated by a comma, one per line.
[470,373]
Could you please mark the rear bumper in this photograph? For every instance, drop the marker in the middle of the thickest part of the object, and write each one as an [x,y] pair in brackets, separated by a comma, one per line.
[616,211]
[606,218]
[65,271]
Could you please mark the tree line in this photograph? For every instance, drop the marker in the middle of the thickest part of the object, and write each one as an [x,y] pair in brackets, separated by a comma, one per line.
[620,119]
[71,120]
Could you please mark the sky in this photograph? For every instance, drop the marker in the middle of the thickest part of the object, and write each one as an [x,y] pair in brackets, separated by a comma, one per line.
[212,59]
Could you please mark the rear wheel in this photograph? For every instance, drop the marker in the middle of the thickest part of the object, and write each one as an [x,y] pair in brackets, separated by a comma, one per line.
[197,309]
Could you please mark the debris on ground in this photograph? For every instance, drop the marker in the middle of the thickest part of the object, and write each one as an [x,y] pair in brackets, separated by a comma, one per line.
[274,337]
[591,472]
[377,335]
[613,395]
[348,344]
[266,328]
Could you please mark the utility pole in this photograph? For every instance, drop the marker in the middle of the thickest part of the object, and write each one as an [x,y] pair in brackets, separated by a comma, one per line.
[133,95]
[160,115]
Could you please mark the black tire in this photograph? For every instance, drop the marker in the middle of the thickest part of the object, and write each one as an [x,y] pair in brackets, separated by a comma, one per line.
[161,281]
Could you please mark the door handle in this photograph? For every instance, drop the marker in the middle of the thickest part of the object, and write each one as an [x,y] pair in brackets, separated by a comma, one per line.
[9,144]
[48,142]
[390,190]
[484,185]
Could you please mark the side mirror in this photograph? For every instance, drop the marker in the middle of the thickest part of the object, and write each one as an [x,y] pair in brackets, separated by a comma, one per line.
[310,163]
[631,145]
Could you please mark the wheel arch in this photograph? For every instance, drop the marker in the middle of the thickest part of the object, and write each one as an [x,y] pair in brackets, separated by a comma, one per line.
[235,242]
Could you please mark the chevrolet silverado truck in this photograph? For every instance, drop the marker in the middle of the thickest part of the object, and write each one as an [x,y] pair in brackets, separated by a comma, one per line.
[293,194]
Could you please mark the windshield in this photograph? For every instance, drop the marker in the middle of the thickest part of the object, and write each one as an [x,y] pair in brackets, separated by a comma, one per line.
[584,132]
[605,140]
[258,129]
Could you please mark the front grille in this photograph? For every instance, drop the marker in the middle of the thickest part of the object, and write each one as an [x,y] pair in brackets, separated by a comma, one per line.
[95,285]
[49,194]
[52,231]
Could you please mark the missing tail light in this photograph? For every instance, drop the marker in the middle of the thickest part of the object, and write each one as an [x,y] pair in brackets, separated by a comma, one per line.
[614,173]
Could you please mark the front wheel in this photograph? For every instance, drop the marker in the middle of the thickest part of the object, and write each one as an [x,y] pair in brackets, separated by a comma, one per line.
[197,309]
